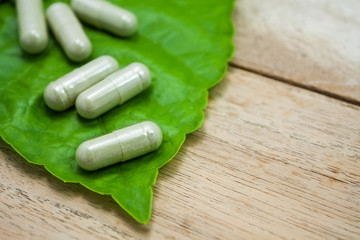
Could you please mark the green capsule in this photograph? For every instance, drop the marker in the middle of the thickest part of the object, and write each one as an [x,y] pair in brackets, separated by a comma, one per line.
[32,27]
[119,146]
[105,15]
[115,89]
[62,93]
[68,31]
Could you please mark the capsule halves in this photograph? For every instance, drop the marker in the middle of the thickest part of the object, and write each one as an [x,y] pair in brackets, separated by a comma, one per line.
[62,93]
[119,146]
[68,31]
[113,90]
[105,15]
[32,26]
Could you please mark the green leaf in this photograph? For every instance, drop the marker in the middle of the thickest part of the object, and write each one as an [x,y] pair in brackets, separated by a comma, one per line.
[185,43]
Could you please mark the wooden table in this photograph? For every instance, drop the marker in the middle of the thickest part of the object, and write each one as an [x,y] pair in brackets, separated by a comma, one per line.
[278,155]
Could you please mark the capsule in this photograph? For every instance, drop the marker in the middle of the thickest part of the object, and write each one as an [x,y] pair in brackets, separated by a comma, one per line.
[113,90]
[32,26]
[68,31]
[105,15]
[119,146]
[61,94]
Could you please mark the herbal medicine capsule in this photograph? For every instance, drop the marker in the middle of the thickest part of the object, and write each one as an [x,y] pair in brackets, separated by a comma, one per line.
[32,26]
[119,146]
[68,31]
[61,94]
[113,90]
[105,15]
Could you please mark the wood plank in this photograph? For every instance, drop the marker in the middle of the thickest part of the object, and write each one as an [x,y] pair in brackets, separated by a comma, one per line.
[271,161]
[311,43]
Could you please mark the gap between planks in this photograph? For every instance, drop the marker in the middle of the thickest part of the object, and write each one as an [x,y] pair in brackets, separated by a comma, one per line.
[295,84]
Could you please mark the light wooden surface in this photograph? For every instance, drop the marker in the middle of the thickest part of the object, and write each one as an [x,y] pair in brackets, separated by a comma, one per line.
[272,161]
[313,43]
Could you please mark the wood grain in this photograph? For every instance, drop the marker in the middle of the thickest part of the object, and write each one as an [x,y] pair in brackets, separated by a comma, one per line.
[272,161]
[310,43]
